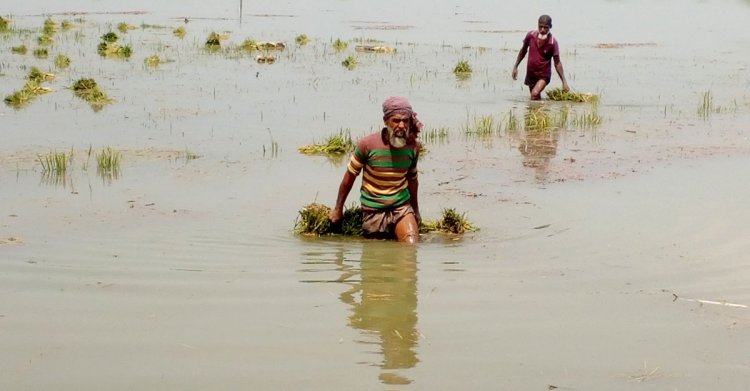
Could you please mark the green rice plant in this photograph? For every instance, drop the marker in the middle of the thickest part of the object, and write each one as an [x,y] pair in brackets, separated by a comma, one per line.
[38,76]
[587,120]
[434,136]
[451,222]
[558,94]
[302,40]
[55,162]
[66,25]
[31,90]
[189,155]
[179,32]
[249,45]
[108,163]
[88,90]
[44,40]
[537,119]
[339,45]
[512,124]
[484,126]
[271,45]
[350,62]
[462,69]
[110,37]
[41,53]
[153,26]
[62,61]
[5,25]
[50,27]
[19,49]
[124,27]
[214,39]
[706,105]
[112,49]
[313,219]
[152,61]
[337,144]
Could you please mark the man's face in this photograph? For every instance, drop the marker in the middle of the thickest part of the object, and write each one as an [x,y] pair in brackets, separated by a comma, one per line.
[543,28]
[398,129]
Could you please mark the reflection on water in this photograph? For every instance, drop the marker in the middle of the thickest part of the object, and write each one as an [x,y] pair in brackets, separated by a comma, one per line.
[383,304]
[538,143]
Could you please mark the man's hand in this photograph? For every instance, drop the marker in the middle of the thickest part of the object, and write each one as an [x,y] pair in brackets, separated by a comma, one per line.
[514,74]
[565,86]
[335,215]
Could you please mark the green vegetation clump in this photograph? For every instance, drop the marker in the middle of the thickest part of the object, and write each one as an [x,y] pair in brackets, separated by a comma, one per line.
[41,53]
[108,163]
[152,61]
[339,45]
[179,32]
[350,62]
[109,47]
[4,25]
[44,40]
[19,49]
[338,144]
[50,27]
[462,69]
[55,162]
[66,25]
[302,39]
[110,37]
[37,76]
[88,90]
[124,27]
[249,45]
[30,90]
[558,94]
[62,61]
[314,220]
[213,42]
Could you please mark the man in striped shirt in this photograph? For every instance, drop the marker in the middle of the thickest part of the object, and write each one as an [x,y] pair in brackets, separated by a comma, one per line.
[388,163]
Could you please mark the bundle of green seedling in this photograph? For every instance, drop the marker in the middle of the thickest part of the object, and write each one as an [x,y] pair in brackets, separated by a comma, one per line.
[559,94]
[32,89]
[213,42]
[462,70]
[338,144]
[314,220]
[109,47]
[4,25]
[88,90]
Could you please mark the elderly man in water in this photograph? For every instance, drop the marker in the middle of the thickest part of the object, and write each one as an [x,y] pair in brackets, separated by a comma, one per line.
[388,161]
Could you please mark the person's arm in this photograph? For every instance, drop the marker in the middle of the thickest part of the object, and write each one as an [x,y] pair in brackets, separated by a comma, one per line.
[560,72]
[347,182]
[414,198]
[519,58]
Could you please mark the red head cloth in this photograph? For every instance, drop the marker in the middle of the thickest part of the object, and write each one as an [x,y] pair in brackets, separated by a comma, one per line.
[400,105]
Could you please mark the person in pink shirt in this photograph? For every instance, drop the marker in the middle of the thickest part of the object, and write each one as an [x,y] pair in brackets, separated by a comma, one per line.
[542,49]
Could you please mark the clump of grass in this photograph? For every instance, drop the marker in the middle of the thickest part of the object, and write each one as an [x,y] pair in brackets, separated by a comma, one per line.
[339,45]
[302,39]
[4,25]
[350,62]
[706,105]
[55,162]
[190,155]
[108,163]
[271,45]
[537,119]
[213,42]
[484,126]
[558,94]
[462,69]
[512,124]
[19,49]
[451,222]
[434,135]
[313,220]
[587,120]
[337,144]
[20,98]
[179,32]
[41,53]
[124,27]
[88,90]
[62,61]
[66,25]
[44,40]
[249,45]
[50,27]
[152,61]
[38,76]
[109,47]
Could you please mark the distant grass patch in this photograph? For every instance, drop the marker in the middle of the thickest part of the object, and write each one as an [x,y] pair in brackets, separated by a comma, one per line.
[88,90]
[124,27]
[462,69]
[55,163]
[350,62]
[19,49]
[108,163]
[302,40]
[41,53]
[558,94]
[339,45]
[483,127]
[152,61]
[108,47]
[5,25]
[62,61]
[451,222]
[179,32]
[32,89]
[213,42]
[432,136]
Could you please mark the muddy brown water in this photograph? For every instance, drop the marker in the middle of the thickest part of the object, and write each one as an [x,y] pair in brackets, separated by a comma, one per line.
[609,257]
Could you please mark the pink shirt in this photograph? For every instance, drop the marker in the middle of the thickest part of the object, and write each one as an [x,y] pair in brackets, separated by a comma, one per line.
[539,63]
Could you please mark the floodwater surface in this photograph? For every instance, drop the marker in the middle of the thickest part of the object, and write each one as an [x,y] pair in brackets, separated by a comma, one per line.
[613,244]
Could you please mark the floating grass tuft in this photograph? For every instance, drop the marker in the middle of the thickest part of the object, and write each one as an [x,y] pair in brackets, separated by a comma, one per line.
[41,53]
[706,105]
[337,144]
[62,61]
[462,69]
[434,135]
[451,222]
[19,49]
[313,220]
[350,62]
[66,25]
[179,32]
[124,27]
[302,39]
[44,40]
[88,90]
[38,76]
[152,61]
[483,127]
[112,49]
[4,25]
[31,89]
[339,45]
[213,42]
[558,94]
[537,119]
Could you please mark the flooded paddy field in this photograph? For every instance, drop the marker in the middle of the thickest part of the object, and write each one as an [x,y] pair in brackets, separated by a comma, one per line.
[612,250]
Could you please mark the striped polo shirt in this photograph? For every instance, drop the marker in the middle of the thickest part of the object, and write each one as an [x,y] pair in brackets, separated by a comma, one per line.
[386,171]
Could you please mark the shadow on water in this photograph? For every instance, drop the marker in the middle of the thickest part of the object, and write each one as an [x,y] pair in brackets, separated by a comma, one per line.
[381,292]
